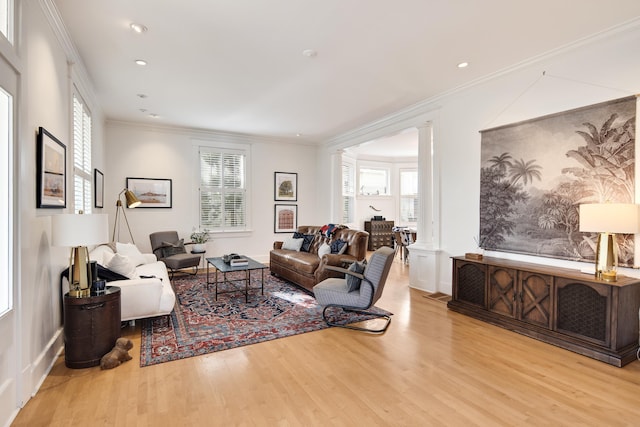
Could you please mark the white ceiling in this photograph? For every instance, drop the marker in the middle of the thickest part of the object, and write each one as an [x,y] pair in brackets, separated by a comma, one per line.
[237,65]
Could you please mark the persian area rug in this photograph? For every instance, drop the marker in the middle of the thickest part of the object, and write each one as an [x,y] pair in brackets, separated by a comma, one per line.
[200,325]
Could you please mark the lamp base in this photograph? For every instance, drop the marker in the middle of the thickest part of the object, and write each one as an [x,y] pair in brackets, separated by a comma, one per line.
[79,293]
[607,257]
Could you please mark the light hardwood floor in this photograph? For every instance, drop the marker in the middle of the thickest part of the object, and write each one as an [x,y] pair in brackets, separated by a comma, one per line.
[432,367]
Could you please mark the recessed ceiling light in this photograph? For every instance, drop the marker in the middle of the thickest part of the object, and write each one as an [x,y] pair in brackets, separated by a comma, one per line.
[463,65]
[141,62]
[298,134]
[138,28]
[309,53]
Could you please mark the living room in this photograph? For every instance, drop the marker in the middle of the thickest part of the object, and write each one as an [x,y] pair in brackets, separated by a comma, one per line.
[596,67]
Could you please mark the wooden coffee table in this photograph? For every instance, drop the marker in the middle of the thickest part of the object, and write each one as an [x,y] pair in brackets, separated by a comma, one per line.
[220,266]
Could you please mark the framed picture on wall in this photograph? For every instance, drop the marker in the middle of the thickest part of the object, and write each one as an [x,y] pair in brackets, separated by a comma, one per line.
[51,170]
[286,186]
[98,189]
[285,219]
[152,192]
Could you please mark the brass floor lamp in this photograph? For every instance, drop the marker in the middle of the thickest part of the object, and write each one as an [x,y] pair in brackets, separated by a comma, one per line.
[132,202]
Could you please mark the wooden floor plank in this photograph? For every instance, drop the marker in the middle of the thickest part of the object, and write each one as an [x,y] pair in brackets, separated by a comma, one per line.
[433,367]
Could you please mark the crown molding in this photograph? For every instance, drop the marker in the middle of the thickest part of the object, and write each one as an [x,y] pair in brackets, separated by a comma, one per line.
[426,110]
[207,133]
[77,71]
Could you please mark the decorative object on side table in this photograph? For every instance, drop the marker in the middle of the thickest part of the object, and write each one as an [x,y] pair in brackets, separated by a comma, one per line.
[606,219]
[199,238]
[79,231]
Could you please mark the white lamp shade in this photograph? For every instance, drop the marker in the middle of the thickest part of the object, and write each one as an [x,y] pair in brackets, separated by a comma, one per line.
[623,218]
[73,230]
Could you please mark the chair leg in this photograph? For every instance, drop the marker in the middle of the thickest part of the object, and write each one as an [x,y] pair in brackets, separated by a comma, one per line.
[359,311]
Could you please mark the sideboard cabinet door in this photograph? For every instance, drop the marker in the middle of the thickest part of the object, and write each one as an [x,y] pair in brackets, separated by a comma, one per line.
[470,283]
[583,310]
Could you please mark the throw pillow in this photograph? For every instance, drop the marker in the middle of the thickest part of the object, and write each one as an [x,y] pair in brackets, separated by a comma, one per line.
[173,248]
[130,250]
[122,265]
[324,249]
[307,240]
[353,282]
[338,246]
[292,244]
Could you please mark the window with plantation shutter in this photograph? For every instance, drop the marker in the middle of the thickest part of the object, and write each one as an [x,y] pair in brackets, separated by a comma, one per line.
[348,192]
[81,157]
[223,189]
[409,195]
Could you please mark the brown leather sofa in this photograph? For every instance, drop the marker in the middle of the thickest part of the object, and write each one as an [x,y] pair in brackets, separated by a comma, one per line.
[306,269]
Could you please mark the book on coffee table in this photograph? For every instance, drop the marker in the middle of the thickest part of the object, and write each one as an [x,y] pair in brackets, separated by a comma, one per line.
[237,262]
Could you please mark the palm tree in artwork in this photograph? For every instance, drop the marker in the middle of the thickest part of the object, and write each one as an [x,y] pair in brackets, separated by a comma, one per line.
[501,162]
[525,171]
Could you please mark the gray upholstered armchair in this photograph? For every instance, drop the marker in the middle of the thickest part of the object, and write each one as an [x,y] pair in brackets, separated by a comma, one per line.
[170,249]
[359,290]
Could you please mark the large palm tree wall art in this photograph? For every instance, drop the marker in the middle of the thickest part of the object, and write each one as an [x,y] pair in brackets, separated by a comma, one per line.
[535,174]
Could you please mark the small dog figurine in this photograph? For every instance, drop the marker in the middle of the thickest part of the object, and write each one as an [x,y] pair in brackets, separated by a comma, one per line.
[119,354]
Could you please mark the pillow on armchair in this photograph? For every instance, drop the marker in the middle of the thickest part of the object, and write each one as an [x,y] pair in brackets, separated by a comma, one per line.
[169,248]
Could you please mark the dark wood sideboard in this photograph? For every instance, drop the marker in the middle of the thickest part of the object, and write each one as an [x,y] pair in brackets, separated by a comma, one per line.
[563,307]
[380,234]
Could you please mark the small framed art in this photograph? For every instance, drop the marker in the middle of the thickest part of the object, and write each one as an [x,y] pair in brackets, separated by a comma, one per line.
[286,186]
[152,192]
[51,169]
[285,218]
[98,189]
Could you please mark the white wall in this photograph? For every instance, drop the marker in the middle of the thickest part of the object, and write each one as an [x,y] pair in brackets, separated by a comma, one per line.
[135,150]
[44,100]
[593,71]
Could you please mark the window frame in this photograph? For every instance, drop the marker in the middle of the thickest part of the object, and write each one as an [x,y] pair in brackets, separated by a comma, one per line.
[348,196]
[412,196]
[82,171]
[225,147]
[372,166]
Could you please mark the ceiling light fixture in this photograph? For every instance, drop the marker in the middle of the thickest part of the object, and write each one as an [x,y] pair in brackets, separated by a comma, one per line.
[138,28]
[141,62]
[309,53]
[463,65]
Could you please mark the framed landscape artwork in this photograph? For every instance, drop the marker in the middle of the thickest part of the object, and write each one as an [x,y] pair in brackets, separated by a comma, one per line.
[286,186]
[51,179]
[535,174]
[152,192]
[285,219]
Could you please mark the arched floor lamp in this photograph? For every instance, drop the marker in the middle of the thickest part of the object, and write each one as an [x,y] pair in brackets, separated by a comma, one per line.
[132,202]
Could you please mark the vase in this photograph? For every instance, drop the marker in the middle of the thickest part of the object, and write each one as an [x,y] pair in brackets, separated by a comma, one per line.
[198,247]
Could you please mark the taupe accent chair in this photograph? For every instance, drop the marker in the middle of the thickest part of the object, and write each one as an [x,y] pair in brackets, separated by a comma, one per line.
[170,249]
[334,292]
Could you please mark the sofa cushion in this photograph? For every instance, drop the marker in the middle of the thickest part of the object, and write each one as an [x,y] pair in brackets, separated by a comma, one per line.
[130,250]
[292,244]
[338,246]
[324,249]
[307,240]
[303,262]
[121,264]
